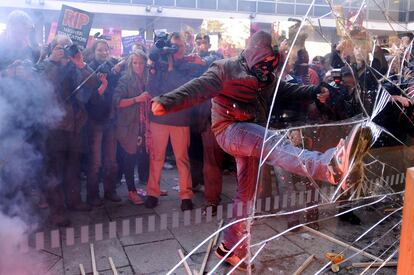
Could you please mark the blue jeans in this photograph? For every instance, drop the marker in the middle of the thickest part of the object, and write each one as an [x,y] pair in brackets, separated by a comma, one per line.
[244,141]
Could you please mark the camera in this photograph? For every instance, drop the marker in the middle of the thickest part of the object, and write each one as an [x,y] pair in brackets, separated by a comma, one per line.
[337,76]
[164,44]
[105,68]
[337,90]
[162,47]
[71,50]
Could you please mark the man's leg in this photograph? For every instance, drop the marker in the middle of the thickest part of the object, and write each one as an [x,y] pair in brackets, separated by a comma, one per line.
[143,165]
[110,164]
[128,162]
[195,152]
[247,168]
[95,134]
[213,161]
[160,134]
[180,141]
[72,175]
[245,139]
[53,188]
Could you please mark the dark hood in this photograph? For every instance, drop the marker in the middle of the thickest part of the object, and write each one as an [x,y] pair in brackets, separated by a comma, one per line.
[258,48]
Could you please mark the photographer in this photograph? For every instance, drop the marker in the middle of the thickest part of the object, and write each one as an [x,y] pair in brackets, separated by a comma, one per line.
[398,114]
[65,70]
[101,129]
[169,70]
[343,102]
[18,42]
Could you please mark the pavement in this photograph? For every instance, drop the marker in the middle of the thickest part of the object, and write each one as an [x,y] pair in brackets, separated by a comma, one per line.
[146,241]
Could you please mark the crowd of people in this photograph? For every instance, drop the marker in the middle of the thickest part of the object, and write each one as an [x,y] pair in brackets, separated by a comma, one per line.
[116,117]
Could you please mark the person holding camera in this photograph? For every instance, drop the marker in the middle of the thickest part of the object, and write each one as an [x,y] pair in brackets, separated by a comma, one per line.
[18,42]
[73,87]
[131,126]
[101,127]
[169,70]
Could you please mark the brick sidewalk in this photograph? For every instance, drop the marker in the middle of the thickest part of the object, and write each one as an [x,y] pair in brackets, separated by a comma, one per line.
[156,252]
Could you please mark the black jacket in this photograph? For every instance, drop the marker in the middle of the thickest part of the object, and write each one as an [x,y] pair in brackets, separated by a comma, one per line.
[100,109]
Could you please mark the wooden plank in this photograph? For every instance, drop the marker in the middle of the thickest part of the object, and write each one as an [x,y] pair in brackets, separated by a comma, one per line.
[94,270]
[304,265]
[82,270]
[187,268]
[111,263]
[211,243]
[406,253]
[344,244]
[373,265]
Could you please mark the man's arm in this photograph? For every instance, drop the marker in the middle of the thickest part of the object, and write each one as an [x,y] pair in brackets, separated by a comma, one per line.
[193,92]
[295,91]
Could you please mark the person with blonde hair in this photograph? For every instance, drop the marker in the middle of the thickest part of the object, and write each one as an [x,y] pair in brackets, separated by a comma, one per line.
[130,100]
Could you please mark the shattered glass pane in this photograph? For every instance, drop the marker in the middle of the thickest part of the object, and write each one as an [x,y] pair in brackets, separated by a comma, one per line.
[359,222]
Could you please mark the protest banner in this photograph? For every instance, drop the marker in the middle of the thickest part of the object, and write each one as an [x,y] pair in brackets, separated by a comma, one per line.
[115,43]
[129,41]
[76,24]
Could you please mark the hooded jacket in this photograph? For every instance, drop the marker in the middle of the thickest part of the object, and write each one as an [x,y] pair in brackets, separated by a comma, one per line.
[237,94]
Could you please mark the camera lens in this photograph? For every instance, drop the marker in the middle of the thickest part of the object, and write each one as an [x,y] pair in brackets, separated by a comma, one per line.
[71,50]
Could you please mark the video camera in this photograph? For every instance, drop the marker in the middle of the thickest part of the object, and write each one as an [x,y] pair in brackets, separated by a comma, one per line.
[162,46]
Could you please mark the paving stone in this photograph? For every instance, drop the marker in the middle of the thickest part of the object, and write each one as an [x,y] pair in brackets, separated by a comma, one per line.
[127,209]
[57,268]
[278,248]
[97,215]
[31,261]
[47,260]
[121,270]
[261,232]
[278,223]
[154,257]
[211,263]
[178,271]
[156,252]
[55,251]
[285,265]
[191,236]
[213,260]
[146,237]
[80,254]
